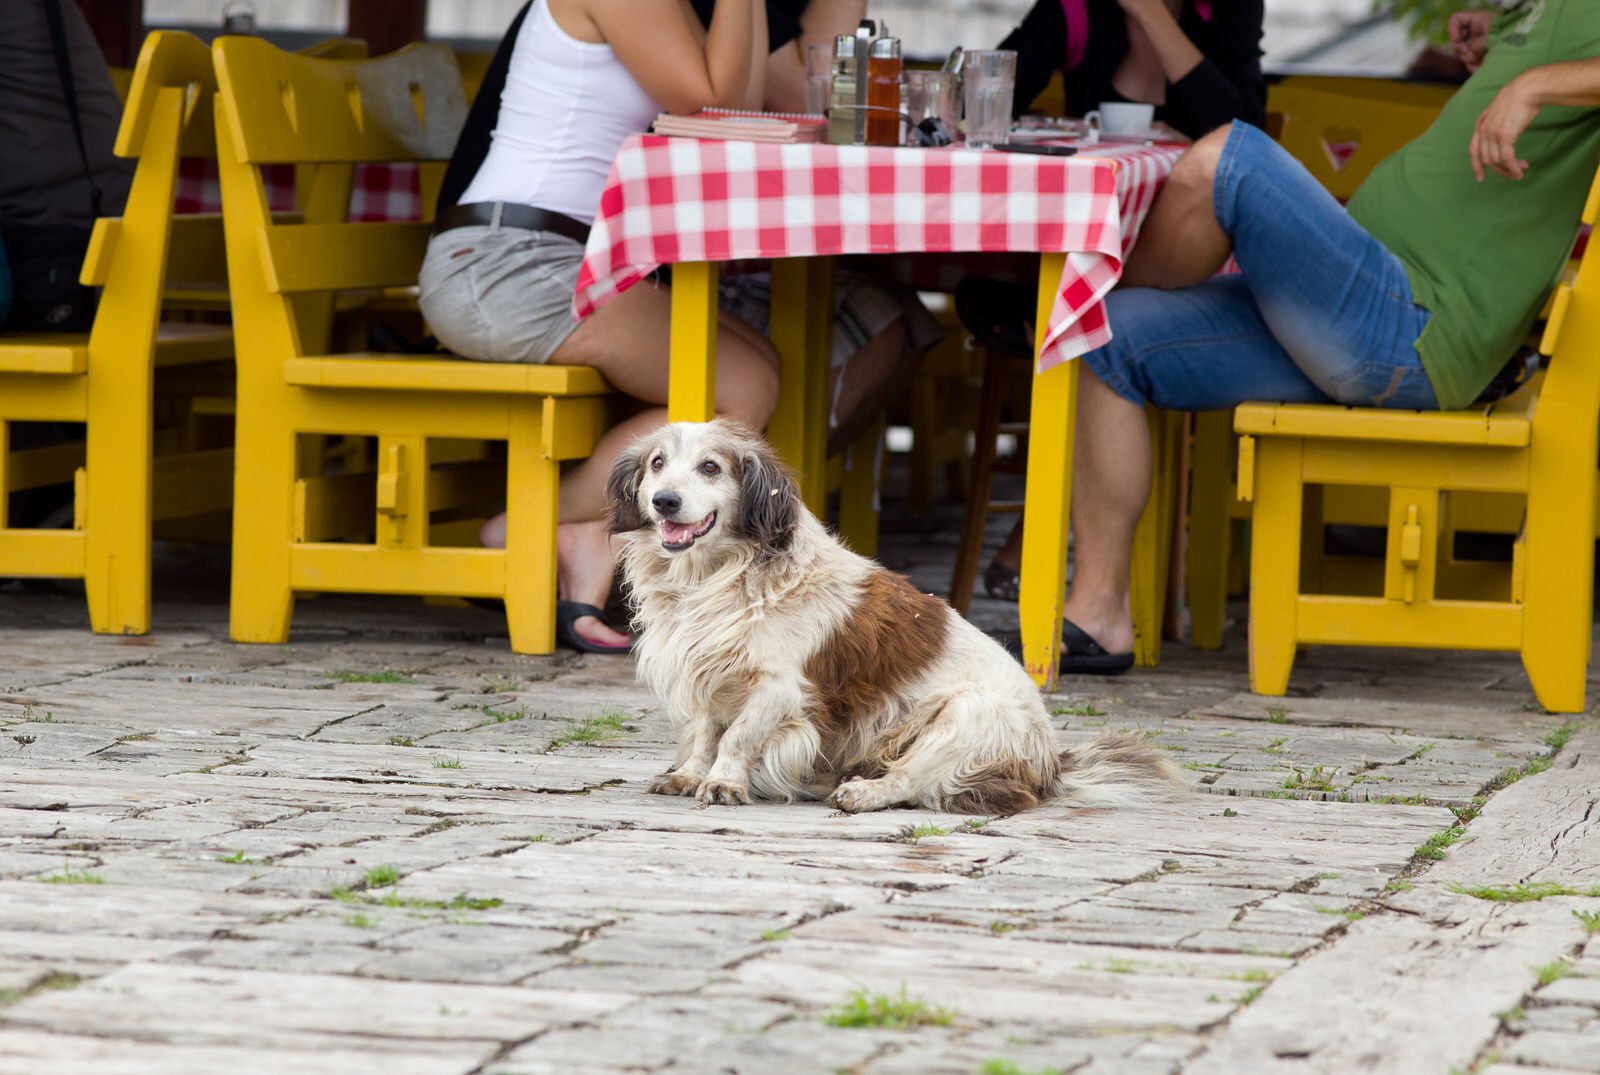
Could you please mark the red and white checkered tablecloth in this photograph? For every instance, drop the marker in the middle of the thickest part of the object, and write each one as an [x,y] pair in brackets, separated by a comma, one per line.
[378,192]
[678,199]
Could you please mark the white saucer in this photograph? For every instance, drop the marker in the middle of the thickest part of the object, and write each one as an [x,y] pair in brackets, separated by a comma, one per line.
[1149,134]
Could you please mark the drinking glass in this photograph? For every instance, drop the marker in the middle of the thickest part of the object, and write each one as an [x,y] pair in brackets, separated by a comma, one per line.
[819,77]
[988,77]
[932,94]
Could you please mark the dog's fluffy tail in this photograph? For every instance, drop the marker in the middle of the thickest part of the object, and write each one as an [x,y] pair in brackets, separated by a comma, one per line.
[1116,769]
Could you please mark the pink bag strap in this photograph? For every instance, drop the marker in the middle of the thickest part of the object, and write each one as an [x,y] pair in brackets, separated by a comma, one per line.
[1077,13]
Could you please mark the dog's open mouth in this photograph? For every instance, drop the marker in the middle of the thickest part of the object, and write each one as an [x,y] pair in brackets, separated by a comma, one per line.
[679,536]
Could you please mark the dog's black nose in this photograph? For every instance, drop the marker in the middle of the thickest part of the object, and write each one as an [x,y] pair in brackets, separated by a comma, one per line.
[666,503]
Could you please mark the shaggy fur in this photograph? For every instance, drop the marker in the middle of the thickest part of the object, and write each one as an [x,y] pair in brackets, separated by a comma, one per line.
[793,668]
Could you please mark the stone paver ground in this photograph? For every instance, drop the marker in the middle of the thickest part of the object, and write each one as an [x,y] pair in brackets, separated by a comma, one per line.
[392,846]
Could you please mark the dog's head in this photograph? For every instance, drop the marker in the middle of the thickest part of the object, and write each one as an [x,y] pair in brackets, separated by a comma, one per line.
[710,487]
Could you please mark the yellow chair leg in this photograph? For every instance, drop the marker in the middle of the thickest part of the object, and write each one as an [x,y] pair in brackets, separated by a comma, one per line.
[1275,565]
[858,494]
[1210,528]
[117,489]
[1151,546]
[1052,421]
[262,601]
[1558,579]
[534,480]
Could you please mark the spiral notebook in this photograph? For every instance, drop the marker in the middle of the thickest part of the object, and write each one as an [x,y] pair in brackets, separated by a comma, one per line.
[731,125]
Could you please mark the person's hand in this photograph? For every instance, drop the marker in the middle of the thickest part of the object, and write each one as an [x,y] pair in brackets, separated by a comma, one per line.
[1142,10]
[1469,36]
[1494,139]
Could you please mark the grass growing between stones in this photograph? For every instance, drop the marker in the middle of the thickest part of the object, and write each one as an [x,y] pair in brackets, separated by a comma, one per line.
[69,876]
[1589,920]
[447,763]
[1001,1066]
[609,725]
[912,833]
[1553,971]
[55,980]
[382,877]
[388,675]
[1081,709]
[1520,893]
[238,859]
[1433,848]
[864,1009]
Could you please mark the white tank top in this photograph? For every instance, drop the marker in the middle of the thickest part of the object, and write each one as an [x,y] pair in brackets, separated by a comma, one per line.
[565,110]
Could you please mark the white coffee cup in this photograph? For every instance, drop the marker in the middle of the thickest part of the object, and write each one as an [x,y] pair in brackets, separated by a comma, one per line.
[1121,117]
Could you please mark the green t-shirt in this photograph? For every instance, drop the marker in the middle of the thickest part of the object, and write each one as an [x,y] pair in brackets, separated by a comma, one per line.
[1481,257]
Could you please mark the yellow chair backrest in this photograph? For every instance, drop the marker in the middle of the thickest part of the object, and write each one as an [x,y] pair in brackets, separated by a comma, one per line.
[1340,128]
[282,108]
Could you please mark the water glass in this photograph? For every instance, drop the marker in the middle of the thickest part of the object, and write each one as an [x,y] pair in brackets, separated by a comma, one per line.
[988,77]
[932,95]
[819,77]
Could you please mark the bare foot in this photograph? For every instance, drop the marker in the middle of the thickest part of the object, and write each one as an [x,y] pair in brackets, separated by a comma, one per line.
[585,565]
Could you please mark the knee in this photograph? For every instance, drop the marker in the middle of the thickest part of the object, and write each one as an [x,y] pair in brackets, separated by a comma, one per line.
[1196,171]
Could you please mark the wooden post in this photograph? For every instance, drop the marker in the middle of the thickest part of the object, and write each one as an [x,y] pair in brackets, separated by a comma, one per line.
[386,25]
[119,27]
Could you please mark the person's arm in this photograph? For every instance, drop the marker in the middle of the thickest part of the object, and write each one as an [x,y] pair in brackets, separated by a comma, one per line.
[1574,83]
[819,23]
[1040,43]
[755,91]
[1227,83]
[657,43]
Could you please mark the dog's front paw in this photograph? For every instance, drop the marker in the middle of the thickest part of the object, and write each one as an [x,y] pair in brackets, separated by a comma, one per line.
[858,796]
[724,793]
[675,784]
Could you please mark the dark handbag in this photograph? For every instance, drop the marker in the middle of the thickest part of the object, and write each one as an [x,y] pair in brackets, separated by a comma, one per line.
[45,294]
[45,259]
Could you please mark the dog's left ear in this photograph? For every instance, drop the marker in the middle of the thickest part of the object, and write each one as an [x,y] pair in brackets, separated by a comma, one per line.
[622,491]
[769,501]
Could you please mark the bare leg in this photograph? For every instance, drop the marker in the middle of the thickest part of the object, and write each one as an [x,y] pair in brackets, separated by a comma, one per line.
[1110,483]
[1181,242]
[869,380]
[627,341]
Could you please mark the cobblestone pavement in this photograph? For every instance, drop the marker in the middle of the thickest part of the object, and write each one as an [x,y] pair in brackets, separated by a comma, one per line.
[392,846]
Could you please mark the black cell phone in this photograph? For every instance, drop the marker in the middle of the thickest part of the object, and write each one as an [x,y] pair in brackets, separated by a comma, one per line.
[1045,151]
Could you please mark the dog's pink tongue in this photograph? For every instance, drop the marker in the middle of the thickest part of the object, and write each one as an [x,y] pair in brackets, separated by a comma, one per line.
[676,533]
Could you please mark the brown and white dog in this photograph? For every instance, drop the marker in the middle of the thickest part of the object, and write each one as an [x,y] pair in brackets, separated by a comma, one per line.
[793,668]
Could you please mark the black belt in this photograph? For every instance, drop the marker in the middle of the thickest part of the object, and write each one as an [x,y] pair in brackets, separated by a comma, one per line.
[512,215]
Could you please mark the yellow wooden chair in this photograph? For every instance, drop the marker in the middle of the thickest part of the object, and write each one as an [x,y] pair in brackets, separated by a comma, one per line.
[1538,445]
[1339,128]
[105,378]
[275,107]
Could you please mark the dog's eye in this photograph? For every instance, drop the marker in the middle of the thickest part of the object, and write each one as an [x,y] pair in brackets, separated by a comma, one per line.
[657,463]
[710,468]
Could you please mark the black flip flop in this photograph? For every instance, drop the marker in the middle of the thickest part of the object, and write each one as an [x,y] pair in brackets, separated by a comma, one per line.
[1081,655]
[568,613]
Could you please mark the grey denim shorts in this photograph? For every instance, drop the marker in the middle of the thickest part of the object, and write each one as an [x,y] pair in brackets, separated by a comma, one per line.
[500,294]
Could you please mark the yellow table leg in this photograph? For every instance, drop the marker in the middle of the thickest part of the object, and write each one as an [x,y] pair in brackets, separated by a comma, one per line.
[1049,496]
[692,392]
[802,330]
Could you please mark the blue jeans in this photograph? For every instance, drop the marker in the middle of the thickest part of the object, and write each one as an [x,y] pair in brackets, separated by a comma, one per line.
[1319,311]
